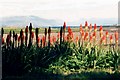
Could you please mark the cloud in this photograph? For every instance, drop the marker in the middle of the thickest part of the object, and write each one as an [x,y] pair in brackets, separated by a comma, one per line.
[60,9]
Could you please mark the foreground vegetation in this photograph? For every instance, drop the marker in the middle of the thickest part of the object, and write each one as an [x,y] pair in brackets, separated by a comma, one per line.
[61,57]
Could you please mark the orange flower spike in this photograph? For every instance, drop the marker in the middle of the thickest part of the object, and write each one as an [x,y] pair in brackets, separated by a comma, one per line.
[64,26]
[90,38]
[95,27]
[43,38]
[69,29]
[90,27]
[77,38]
[94,34]
[107,34]
[82,34]
[111,39]
[103,39]
[26,29]
[68,37]
[116,34]
[81,28]
[101,35]
[116,37]
[86,36]
[101,29]
[86,25]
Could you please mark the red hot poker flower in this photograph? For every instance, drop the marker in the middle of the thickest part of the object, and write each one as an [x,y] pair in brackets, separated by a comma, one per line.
[90,27]
[67,37]
[90,38]
[94,34]
[103,39]
[111,39]
[26,29]
[116,36]
[77,38]
[82,34]
[86,23]
[86,36]
[81,28]
[101,29]
[95,27]
[64,26]
[107,34]
[69,29]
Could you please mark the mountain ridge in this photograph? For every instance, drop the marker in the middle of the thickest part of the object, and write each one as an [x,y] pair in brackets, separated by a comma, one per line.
[22,21]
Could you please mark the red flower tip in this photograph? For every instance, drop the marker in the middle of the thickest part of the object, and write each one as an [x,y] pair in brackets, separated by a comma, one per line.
[26,29]
[86,36]
[103,38]
[95,27]
[81,28]
[86,23]
[116,35]
[90,38]
[90,27]
[77,38]
[106,33]
[82,34]
[94,34]
[101,28]
[69,29]
[64,26]
[111,37]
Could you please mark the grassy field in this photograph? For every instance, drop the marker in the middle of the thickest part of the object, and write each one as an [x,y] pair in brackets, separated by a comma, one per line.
[54,30]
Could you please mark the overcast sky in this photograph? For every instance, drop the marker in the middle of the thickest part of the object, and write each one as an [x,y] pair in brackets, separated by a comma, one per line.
[67,10]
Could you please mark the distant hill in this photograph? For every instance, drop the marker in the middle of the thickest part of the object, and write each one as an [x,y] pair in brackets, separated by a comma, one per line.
[22,21]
